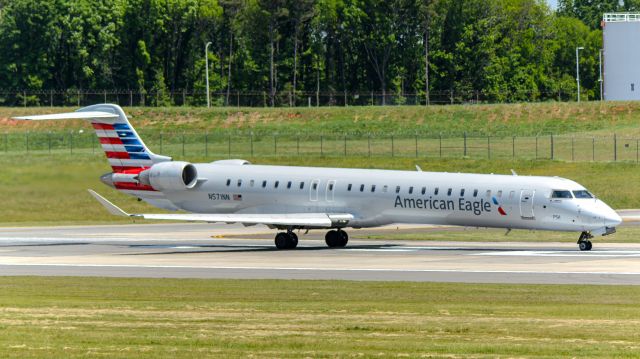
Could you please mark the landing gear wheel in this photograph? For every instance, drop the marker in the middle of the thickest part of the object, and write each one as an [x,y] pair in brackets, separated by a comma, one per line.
[293,240]
[337,238]
[344,238]
[282,240]
[584,243]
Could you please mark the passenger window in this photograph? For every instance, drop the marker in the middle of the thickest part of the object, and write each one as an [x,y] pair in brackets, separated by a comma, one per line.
[264,184]
[499,193]
[301,185]
[410,190]
[251,183]
[424,190]
[349,187]
[397,189]
[511,194]
[373,188]
[275,185]
[475,193]
[315,186]
[435,191]
[385,188]
[561,194]
[239,182]
[361,188]
[462,192]
[488,193]
[330,186]
[449,192]
[289,185]
[228,182]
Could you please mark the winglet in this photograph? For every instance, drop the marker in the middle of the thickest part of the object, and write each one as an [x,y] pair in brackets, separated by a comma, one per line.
[112,208]
[418,168]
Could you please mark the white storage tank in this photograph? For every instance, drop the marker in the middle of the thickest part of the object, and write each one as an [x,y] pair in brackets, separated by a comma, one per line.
[621,60]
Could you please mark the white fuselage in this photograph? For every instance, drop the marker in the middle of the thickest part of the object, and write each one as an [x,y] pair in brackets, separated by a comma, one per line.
[380,197]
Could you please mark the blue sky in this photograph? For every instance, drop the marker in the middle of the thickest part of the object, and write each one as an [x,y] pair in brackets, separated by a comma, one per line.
[553,3]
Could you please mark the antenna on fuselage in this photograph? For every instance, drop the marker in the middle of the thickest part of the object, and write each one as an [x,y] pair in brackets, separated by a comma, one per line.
[513,172]
[418,168]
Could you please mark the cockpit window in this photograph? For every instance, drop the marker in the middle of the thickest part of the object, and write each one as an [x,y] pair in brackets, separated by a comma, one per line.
[561,194]
[582,194]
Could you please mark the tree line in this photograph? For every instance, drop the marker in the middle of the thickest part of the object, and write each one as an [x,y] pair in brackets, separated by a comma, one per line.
[500,50]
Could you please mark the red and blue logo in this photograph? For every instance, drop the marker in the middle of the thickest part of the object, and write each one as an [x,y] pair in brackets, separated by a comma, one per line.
[500,210]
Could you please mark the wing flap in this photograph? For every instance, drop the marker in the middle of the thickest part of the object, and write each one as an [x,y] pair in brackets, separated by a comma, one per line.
[277,219]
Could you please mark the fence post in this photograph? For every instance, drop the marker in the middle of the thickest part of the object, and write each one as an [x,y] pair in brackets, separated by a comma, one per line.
[393,150]
[130,98]
[184,97]
[451,98]
[552,146]
[489,147]
[345,146]
[251,140]
[238,98]
[105,96]
[50,98]
[24,99]
[464,153]
[573,155]
[615,147]
[206,144]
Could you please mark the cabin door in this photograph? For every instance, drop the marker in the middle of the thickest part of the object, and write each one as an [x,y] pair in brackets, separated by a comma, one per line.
[526,203]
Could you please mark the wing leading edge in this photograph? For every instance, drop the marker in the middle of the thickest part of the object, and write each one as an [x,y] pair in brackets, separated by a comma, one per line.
[319,220]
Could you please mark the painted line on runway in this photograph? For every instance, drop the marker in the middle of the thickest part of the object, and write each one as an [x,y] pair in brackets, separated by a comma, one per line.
[599,254]
[150,266]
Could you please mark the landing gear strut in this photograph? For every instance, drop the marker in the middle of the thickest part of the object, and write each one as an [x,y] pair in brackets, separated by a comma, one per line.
[584,242]
[336,238]
[286,240]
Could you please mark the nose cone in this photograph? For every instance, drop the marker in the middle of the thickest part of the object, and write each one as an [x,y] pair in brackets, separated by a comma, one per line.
[611,217]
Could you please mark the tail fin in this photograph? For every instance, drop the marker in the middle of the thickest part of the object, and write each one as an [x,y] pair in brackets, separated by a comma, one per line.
[125,150]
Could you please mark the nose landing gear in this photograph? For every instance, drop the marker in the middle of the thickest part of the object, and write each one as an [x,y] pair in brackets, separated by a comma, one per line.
[584,242]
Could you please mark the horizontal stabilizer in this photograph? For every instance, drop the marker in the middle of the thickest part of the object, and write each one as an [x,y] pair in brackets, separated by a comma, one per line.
[69,116]
[322,220]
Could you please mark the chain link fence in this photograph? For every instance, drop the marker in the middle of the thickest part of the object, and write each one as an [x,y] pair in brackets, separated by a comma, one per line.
[124,97]
[237,145]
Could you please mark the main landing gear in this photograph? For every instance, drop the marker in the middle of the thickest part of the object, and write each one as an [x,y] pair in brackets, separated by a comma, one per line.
[334,239]
[286,240]
[584,242]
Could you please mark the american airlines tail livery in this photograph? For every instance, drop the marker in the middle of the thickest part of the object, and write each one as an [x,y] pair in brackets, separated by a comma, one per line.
[292,198]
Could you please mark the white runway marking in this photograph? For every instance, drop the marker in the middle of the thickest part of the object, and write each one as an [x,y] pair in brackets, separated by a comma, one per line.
[311,269]
[601,254]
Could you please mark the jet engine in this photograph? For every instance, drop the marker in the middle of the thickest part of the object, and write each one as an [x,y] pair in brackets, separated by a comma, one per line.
[170,176]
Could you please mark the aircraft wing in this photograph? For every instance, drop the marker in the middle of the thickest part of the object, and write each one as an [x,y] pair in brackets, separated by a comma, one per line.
[322,220]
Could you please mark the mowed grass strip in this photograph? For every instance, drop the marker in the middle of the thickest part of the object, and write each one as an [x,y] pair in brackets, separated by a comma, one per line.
[42,189]
[184,318]
[506,119]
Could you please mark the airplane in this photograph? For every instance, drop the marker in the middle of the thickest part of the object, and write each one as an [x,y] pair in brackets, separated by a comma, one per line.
[289,198]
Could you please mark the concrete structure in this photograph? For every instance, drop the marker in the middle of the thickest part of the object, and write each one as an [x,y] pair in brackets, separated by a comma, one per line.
[621,33]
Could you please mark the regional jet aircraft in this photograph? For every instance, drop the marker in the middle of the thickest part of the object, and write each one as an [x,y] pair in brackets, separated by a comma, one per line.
[293,198]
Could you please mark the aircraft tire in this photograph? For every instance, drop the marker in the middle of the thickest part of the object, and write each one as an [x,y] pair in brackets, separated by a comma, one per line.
[344,238]
[282,240]
[293,240]
[585,245]
[332,239]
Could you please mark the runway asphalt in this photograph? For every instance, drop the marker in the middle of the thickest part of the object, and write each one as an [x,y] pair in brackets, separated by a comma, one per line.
[237,252]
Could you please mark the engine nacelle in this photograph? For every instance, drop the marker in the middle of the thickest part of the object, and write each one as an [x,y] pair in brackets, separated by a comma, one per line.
[170,176]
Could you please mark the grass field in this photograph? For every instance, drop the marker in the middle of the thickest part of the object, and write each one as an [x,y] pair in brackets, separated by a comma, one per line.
[151,318]
[495,120]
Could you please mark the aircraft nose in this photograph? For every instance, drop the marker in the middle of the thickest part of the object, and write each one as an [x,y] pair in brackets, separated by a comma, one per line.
[613,219]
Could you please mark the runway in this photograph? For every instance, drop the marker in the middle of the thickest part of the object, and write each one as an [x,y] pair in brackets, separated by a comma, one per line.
[237,252]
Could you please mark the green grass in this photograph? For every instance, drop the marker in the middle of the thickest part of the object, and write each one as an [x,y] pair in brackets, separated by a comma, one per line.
[509,119]
[184,318]
[51,189]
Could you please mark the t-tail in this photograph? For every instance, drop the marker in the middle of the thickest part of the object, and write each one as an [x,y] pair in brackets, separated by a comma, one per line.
[126,152]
